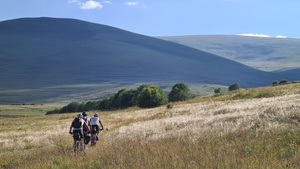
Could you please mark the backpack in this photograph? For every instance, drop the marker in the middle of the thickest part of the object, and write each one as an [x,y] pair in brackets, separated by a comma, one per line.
[77,123]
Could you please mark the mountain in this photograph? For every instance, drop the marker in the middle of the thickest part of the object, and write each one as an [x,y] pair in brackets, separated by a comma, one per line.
[268,54]
[44,58]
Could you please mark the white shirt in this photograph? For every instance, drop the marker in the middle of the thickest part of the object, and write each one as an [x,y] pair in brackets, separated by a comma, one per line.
[94,120]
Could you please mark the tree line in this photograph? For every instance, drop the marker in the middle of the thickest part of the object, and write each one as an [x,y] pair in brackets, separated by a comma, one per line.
[145,96]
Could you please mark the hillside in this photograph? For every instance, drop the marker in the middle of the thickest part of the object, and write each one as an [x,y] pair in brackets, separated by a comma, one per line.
[50,59]
[268,54]
[210,132]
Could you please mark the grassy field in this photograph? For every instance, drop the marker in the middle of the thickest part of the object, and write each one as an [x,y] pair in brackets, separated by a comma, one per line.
[254,128]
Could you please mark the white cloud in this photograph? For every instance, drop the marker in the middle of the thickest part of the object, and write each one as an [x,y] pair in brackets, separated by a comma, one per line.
[136,4]
[90,4]
[255,35]
[131,3]
[261,35]
[280,36]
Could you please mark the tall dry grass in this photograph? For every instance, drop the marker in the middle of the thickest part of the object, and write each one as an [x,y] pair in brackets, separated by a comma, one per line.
[257,132]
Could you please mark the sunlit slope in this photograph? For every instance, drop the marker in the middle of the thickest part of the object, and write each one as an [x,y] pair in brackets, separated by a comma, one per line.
[262,53]
[258,130]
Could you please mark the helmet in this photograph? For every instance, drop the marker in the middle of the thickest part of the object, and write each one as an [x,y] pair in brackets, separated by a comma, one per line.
[84,114]
[79,116]
[96,115]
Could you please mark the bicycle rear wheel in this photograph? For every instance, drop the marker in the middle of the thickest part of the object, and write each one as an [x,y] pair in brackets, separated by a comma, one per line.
[93,140]
[76,146]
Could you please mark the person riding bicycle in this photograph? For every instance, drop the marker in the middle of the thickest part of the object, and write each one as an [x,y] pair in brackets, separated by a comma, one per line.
[77,125]
[86,130]
[95,121]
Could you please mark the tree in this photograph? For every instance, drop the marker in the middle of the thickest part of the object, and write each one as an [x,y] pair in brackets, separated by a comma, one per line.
[233,87]
[55,111]
[283,82]
[217,91]
[151,96]
[105,104]
[124,98]
[140,88]
[179,92]
[90,105]
[81,106]
[72,107]
[275,83]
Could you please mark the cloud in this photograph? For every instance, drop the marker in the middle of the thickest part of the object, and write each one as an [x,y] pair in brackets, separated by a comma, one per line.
[136,4]
[280,36]
[90,4]
[131,3]
[255,35]
[260,35]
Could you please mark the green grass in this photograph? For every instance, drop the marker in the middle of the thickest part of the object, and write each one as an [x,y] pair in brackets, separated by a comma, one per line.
[276,149]
[254,93]
[39,141]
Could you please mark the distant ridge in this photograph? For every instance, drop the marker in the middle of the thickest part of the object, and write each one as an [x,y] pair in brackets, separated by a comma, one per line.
[42,53]
[269,54]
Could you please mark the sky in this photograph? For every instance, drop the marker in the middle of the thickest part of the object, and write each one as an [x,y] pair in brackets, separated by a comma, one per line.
[265,18]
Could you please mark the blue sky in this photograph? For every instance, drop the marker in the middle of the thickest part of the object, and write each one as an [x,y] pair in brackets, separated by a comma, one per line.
[171,17]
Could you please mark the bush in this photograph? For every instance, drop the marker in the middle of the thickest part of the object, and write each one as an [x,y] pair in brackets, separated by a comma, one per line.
[71,107]
[283,82]
[179,92]
[217,91]
[124,98]
[169,106]
[105,104]
[234,87]
[275,83]
[151,96]
[90,105]
[55,111]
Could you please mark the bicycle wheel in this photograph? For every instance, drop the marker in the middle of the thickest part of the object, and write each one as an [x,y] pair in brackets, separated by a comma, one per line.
[93,139]
[76,146]
[82,146]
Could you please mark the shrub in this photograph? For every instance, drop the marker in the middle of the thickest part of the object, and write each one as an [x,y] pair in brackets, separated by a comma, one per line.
[275,83]
[90,105]
[55,111]
[105,104]
[179,92]
[151,96]
[124,98]
[283,82]
[234,87]
[217,91]
[169,106]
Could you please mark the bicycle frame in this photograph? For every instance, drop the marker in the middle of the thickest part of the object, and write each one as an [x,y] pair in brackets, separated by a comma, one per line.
[78,144]
[93,138]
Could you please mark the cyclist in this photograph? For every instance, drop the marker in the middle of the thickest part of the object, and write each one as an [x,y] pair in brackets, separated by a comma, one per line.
[95,121]
[86,130]
[77,125]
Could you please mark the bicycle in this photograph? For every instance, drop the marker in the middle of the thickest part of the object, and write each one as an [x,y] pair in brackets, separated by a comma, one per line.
[78,144]
[94,136]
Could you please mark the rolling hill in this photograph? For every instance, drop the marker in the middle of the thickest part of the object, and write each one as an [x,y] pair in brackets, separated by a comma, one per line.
[50,59]
[268,54]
